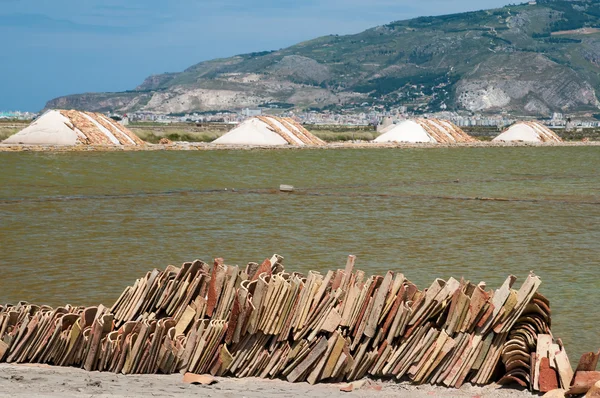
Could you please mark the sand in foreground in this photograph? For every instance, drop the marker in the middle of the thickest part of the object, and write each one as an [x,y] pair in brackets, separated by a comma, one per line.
[47,381]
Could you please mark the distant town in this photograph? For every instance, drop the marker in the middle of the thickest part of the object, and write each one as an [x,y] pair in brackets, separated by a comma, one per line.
[326,118]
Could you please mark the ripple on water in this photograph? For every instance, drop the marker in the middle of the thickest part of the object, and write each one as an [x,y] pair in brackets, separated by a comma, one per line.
[79,227]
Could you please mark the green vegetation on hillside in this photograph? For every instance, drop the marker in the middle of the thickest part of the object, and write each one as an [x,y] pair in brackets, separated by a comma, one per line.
[421,63]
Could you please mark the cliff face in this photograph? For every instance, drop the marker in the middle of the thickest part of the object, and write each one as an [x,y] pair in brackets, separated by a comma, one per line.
[526,59]
[528,82]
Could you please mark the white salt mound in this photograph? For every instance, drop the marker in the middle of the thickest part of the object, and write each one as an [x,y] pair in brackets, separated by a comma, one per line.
[267,131]
[407,131]
[71,127]
[252,132]
[49,129]
[528,132]
[424,131]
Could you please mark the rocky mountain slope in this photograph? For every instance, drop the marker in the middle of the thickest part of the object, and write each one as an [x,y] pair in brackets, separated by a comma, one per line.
[530,59]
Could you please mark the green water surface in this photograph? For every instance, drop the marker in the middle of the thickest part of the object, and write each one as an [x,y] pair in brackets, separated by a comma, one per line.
[79,227]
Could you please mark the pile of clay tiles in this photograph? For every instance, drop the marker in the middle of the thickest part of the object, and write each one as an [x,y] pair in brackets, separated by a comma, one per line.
[98,129]
[443,131]
[263,321]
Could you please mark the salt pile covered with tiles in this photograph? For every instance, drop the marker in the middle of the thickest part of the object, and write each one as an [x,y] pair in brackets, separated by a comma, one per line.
[425,131]
[528,132]
[269,130]
[70,127]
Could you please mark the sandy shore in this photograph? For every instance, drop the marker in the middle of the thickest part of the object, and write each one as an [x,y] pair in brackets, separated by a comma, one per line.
[201,146]
[47,381]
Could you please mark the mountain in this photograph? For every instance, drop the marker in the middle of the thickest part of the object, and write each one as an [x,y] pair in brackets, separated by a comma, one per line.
[530,59]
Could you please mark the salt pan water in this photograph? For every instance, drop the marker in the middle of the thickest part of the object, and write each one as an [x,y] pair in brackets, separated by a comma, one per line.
[79,227]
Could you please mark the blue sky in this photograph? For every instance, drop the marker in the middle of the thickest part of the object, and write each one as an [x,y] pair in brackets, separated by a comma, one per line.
[51,48]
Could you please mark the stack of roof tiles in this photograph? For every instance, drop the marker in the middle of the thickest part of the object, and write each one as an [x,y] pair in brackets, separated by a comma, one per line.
[264,321]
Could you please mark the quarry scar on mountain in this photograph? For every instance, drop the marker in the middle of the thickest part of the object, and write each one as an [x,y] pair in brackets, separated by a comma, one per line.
[530,59]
